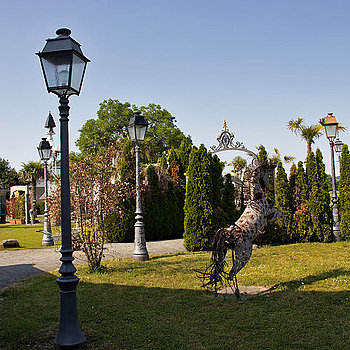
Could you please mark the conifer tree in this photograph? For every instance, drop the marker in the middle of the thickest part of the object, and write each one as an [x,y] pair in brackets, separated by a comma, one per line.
[293,173]
[272,232]
[262,154]
[229,212]
[319,199]
[163,162]
[198,222]
[284,201]
[300,195]
[216,168]
[344,193]
[263,157]
[154,206]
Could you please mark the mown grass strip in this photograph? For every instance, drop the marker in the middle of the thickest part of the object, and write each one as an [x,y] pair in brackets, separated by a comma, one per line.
[159,304]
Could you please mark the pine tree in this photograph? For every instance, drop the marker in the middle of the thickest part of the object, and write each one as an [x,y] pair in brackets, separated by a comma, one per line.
[284,200]
[301,215]
[344,193]
[229,212]
[293,173]
[262,154]
[319,199]
[198,222]
[216,168]
[154,204]
[272,232]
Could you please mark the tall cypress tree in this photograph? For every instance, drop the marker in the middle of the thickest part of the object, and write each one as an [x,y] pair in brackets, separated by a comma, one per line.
[284,201]
[293,173]
[301,215]
[216,168]
[198,223]
[262,155]
[154,207]
[319,199]
[230,214]
[344,193]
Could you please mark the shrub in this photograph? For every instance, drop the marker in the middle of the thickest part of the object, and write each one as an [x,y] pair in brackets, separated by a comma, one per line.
[40,207]
[198,223]
[344,193]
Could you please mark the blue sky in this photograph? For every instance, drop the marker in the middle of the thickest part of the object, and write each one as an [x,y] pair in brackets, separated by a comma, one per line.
[256,64]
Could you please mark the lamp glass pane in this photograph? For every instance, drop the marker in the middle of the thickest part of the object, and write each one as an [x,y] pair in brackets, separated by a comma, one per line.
[77,72]
[56,69]
[44,153]
[140,132]
[338,145]
[131,130]
[331,130]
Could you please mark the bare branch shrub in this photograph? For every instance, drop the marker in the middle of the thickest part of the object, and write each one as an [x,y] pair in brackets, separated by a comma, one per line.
[94,196]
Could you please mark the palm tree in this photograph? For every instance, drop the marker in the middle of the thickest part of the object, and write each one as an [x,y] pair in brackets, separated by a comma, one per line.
[308,133]
[277,157]
[30,173]
[238,164]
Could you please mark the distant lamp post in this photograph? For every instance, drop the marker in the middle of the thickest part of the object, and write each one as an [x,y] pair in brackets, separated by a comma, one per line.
[137,130]
[338,146]
[44,150]
[64,65]
[331,128]
[50,125]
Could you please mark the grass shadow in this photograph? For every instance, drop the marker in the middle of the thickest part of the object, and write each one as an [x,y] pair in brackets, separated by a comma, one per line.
[136,317]
[13,273]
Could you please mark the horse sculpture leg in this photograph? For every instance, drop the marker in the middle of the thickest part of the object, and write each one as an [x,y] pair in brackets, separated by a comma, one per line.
[240,256]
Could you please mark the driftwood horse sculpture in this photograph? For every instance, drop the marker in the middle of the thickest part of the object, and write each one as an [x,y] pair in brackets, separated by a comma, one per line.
[240,236]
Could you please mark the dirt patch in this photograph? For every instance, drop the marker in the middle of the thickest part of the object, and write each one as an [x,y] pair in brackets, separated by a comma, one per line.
[248,291]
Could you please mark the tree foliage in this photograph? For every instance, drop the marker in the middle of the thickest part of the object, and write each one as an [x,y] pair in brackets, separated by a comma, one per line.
[198,223]
[318,218]
[8,175]
[344,193]
[284,200]
[308,133]
[30,173]
[111,125]
[94,196]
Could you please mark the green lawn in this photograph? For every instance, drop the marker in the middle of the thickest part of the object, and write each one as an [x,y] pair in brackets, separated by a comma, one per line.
[159,304]
[26,235]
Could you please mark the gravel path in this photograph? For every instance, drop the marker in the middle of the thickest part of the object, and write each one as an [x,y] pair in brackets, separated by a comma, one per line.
[19,264]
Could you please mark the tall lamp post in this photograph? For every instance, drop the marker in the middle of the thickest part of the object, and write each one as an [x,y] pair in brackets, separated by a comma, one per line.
[137,130]
[64,65]
[331,128]
[44,150]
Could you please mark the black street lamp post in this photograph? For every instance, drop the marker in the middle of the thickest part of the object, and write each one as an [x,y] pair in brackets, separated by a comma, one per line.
[331,128]
[137,130]
[64,65]
[44,150]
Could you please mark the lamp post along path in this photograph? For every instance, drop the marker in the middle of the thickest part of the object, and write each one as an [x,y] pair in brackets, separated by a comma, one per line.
[44,150]
[137,130]
[63,65]
[331,128]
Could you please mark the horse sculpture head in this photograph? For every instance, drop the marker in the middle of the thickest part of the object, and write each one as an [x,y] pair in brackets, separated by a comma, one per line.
[255,180]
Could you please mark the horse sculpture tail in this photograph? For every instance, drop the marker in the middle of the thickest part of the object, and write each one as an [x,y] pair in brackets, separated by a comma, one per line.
[215,273]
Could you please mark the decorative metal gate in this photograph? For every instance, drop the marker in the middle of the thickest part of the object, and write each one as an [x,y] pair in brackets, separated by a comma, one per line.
[226,143]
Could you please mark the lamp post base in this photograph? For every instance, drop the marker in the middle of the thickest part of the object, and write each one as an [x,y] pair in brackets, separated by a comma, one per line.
[69,332]
[47,242]
[140,257]
[140,248]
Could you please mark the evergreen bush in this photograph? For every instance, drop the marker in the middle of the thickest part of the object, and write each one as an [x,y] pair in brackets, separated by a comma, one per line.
[198,223]
[344,193]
